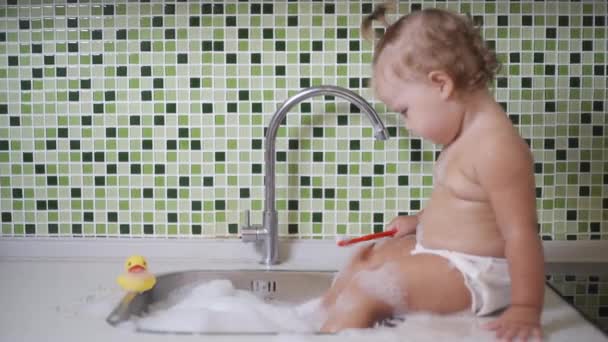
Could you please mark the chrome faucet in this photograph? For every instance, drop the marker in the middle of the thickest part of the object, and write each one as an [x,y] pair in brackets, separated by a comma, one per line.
[268,232]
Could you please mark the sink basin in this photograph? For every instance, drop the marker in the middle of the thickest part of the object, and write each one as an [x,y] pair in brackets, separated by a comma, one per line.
[284,287]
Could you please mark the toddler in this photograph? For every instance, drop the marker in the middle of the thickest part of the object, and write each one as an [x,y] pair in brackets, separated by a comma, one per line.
[475,245]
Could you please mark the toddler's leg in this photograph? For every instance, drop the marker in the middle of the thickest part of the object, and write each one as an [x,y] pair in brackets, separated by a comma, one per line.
[387,278]
[354,309]
[368,296]
[358,261]
[368,257]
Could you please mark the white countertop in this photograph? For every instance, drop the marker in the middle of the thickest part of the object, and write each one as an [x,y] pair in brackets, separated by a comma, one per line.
[62,290]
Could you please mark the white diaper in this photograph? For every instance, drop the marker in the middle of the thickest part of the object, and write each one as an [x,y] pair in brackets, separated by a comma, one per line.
[487,278]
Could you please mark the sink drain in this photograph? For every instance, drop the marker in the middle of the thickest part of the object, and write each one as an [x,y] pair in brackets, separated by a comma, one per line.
[264,288]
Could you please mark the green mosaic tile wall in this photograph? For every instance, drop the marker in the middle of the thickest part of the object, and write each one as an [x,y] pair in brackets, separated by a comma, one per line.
[147,118]
[588,293]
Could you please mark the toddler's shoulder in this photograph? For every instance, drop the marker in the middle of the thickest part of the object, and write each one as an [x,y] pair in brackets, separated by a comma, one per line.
[498,137]
[502,151]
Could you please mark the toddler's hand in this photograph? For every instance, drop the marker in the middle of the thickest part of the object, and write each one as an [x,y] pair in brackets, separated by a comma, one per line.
[517,323]
[405,225]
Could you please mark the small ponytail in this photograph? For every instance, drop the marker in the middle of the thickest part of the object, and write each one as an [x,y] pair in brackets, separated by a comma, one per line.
[378,14]
[488,65]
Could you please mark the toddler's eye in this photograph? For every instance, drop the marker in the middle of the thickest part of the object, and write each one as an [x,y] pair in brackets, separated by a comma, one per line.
[404,112]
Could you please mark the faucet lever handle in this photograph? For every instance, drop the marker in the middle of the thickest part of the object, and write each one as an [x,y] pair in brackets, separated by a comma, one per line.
[250,233]
[246,216]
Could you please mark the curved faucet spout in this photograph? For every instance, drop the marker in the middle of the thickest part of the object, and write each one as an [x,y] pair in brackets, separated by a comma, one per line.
[380,132]
[269,229]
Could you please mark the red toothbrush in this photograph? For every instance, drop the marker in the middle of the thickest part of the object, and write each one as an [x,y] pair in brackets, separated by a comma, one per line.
[347,242]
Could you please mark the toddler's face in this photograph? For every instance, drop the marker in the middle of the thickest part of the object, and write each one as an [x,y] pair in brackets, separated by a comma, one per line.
[425,113]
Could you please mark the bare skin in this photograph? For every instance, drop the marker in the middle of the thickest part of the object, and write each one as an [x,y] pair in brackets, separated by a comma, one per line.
[483,203]
[423,275]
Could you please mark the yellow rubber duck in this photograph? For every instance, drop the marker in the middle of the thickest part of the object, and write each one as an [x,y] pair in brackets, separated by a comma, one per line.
[137,278]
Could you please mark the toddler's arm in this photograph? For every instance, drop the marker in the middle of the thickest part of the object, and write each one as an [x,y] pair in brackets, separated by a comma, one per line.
[505,171]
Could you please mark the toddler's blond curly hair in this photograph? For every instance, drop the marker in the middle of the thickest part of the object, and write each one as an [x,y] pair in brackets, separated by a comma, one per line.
[436,39]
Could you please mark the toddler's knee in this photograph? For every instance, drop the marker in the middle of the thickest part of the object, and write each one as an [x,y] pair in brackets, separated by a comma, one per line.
[385,286]
[359,305]
[363,254]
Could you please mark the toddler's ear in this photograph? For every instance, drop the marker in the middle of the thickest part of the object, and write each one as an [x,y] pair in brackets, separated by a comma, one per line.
[443,82]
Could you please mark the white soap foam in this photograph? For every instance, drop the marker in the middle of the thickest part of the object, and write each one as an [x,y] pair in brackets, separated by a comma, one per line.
[216,306]
[351,257]
[345,302]
[417,326]
[382,283]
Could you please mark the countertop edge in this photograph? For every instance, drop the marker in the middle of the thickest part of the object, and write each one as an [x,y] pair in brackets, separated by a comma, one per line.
[234,249]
